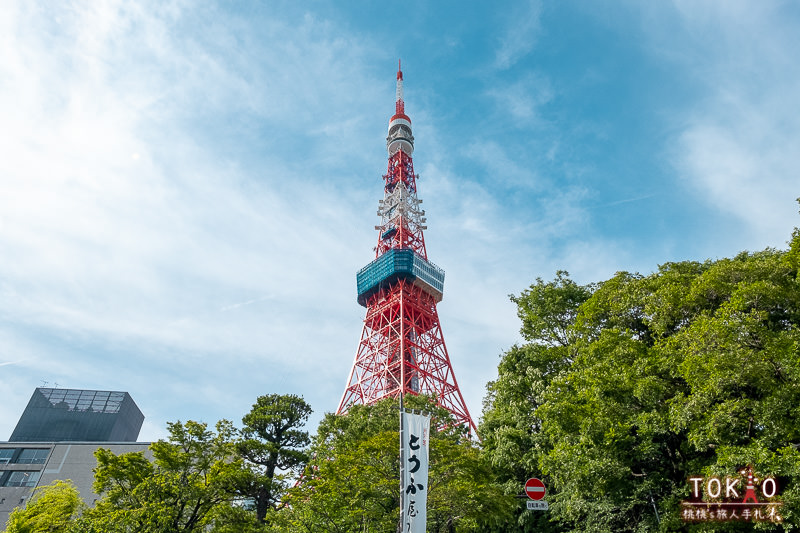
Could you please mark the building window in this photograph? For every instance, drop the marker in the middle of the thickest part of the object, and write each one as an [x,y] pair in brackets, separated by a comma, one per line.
[22,479]
[84,400]
[6,454]
[33,456]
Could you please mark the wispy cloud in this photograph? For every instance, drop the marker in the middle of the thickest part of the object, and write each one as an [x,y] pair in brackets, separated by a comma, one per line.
[737,145]
[231,307]
[107,241]
[521,35]
[623,201]
[523,98]
[133,220]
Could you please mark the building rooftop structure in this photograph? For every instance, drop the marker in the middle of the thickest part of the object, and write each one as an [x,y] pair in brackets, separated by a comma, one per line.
[57,415]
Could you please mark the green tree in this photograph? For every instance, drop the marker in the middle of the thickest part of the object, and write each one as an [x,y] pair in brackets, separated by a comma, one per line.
[511,429]
[187,486]
[352,482]
[692,370]
[273,448]
[52,509]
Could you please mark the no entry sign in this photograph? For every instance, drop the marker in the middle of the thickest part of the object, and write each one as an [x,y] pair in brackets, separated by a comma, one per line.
[534,488]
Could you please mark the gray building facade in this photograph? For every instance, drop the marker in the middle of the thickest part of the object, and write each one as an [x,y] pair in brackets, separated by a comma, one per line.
[26,466]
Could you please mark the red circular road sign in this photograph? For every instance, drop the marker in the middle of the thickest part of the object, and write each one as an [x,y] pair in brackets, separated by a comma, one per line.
[534,488]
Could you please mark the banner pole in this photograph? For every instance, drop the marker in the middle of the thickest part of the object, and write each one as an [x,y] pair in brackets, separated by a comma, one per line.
[402,467]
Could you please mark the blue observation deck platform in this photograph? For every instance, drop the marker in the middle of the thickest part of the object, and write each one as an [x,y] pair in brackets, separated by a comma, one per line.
[395,264]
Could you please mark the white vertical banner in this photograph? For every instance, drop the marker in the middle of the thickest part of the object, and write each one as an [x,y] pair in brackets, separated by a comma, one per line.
[415,445]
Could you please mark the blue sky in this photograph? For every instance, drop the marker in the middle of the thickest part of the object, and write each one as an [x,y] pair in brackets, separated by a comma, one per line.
[187,191]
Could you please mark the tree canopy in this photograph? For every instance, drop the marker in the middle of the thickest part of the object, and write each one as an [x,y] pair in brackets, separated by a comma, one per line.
[626,388]
[182,490]
[352,482]
[52,509]
[272,446]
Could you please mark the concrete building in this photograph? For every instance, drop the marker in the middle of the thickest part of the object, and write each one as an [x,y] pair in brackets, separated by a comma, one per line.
[56,437]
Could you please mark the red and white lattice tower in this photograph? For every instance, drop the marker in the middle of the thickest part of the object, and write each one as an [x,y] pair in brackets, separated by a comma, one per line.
[402,350]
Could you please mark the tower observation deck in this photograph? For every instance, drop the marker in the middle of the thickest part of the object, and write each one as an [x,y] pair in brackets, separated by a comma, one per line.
[402,350]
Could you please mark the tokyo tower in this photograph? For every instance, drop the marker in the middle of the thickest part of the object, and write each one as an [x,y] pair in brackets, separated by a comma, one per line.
[402,349]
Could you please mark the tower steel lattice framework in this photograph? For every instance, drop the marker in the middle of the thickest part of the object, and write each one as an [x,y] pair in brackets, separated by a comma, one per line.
[402,349]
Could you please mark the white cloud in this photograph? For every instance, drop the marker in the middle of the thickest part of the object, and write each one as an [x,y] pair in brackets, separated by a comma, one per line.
[748,173]
[522,99]
[737,144]
[521,34]
[145,254]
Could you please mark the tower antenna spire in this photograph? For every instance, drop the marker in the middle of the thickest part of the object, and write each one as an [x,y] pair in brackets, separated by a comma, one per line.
[399,104]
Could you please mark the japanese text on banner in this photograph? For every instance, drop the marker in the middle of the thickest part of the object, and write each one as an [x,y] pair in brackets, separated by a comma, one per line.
[414,490]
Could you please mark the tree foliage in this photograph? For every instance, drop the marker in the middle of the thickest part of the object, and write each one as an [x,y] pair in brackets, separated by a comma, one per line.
[201,479]
[353,484]
[52,509]
[628,387]
[273,449]
[510,429]
[187,485]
